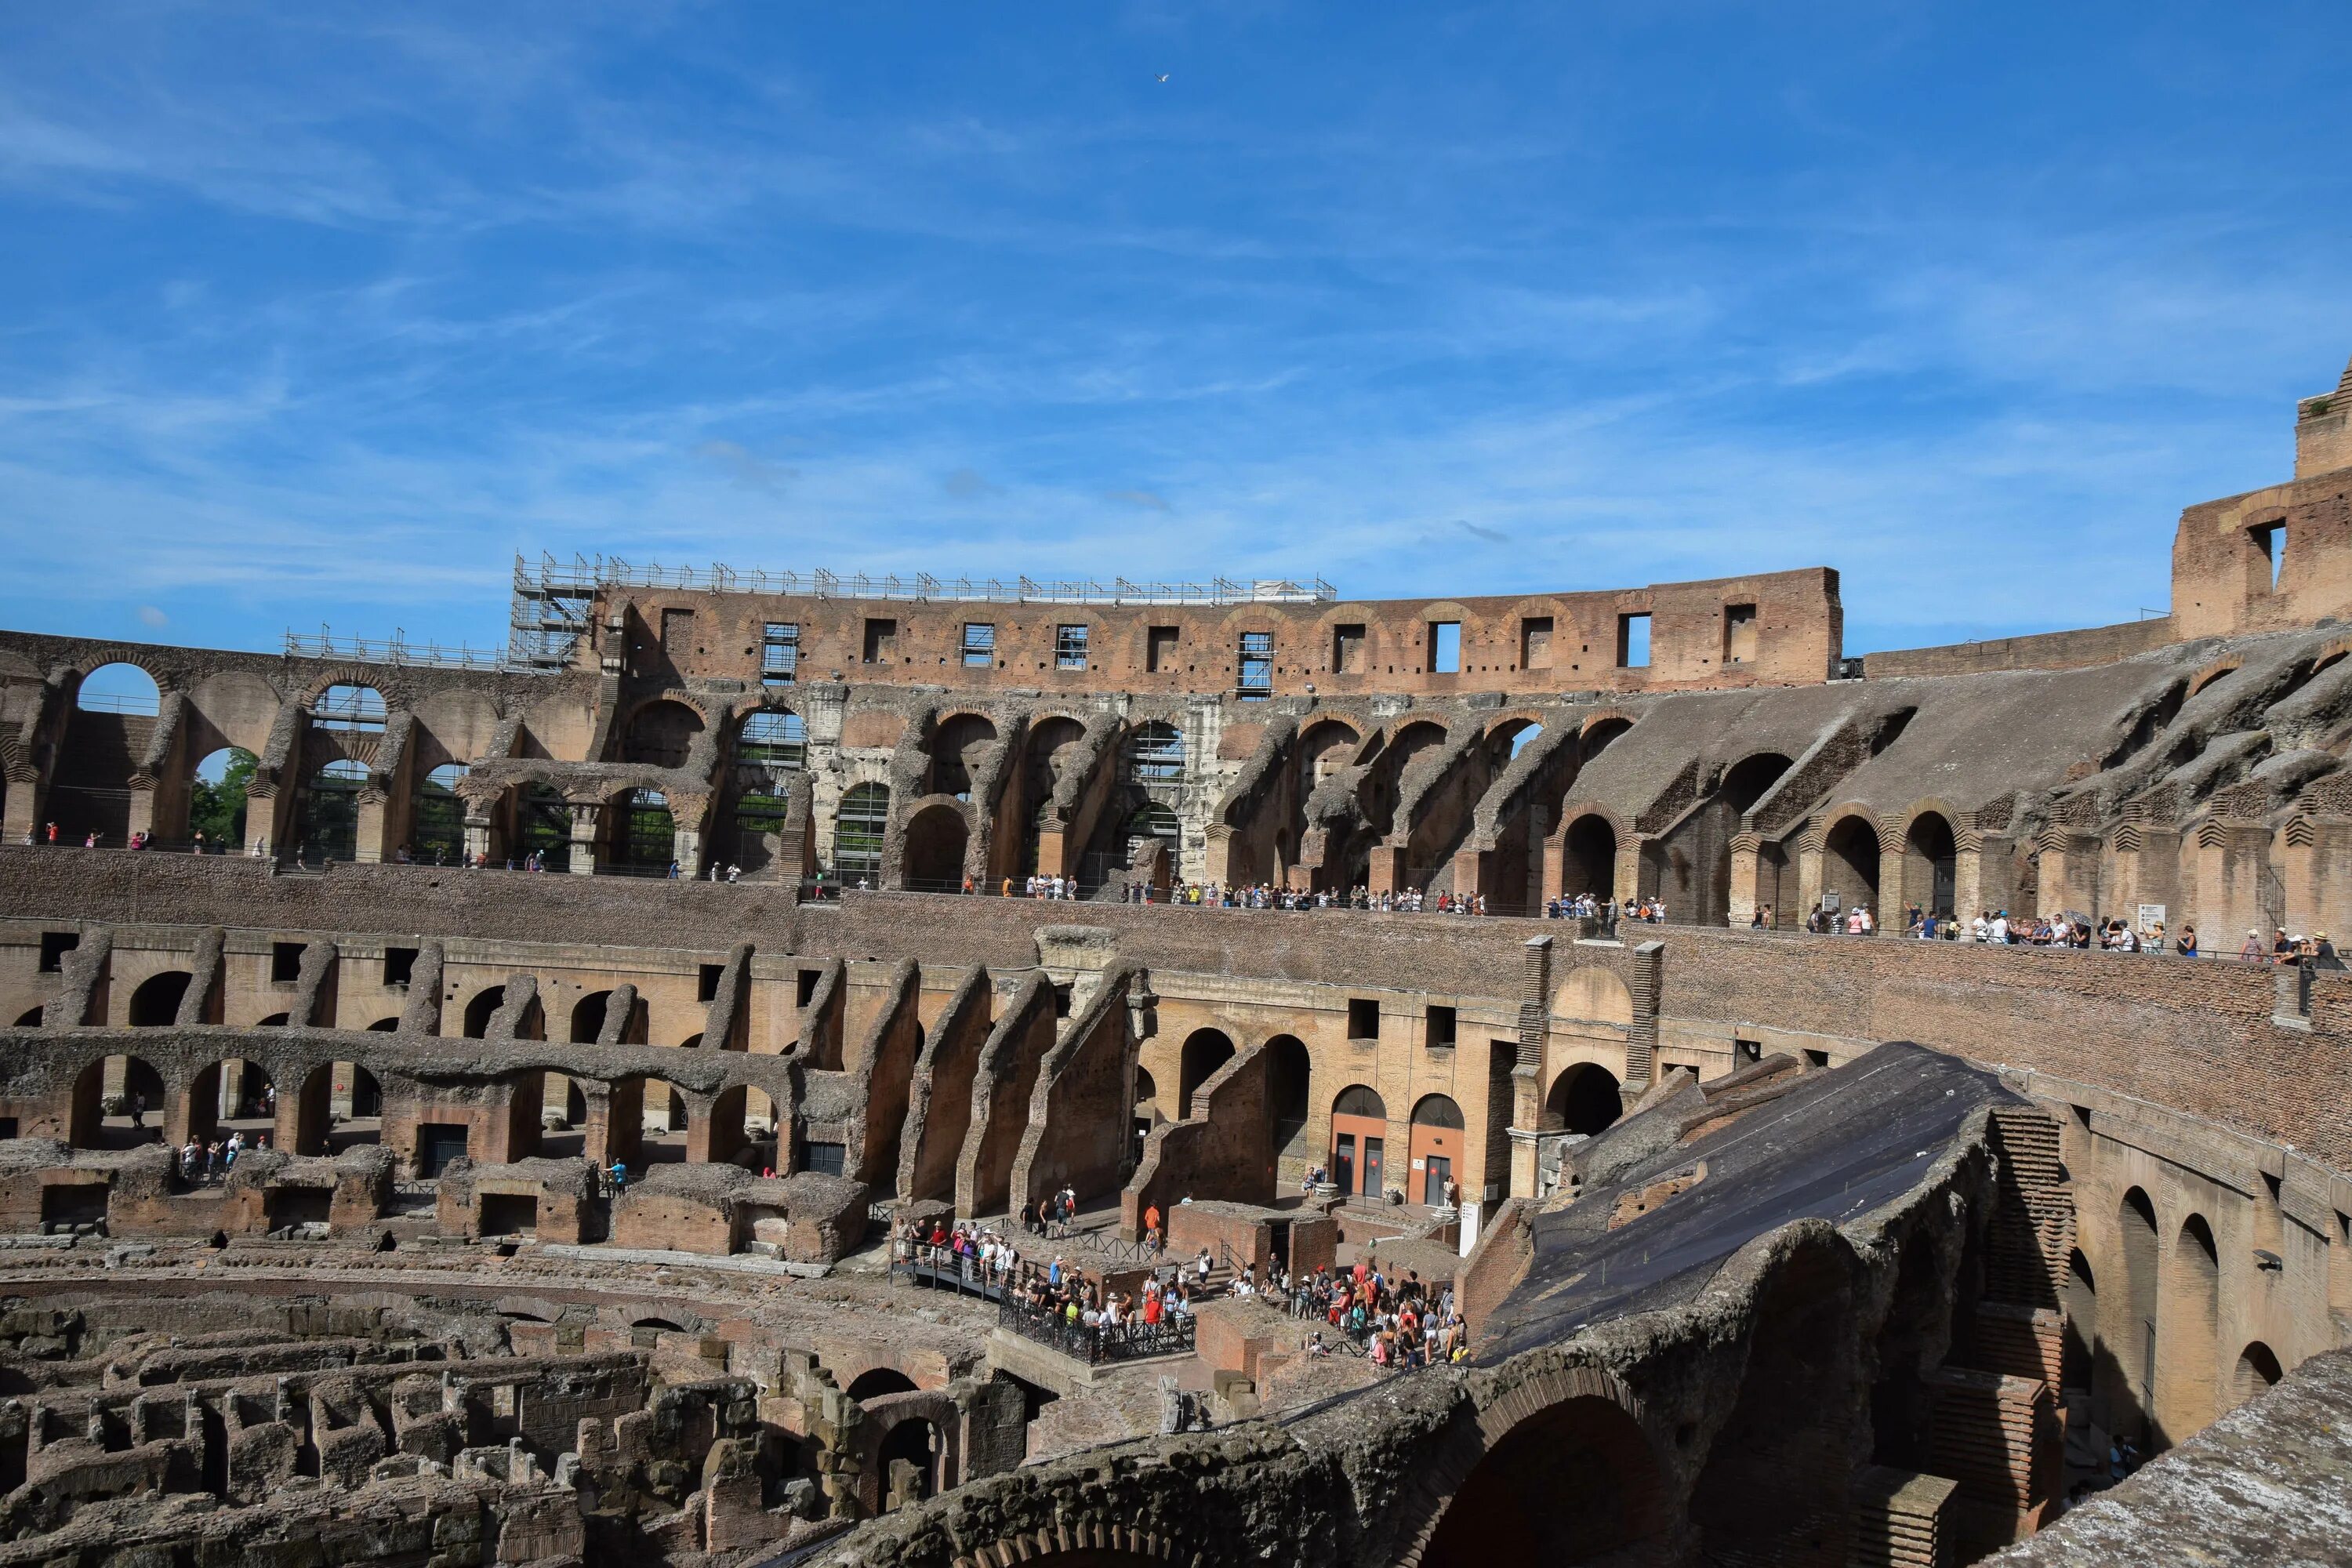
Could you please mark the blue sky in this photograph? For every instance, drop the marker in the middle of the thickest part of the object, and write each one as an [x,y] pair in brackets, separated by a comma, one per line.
[320,313]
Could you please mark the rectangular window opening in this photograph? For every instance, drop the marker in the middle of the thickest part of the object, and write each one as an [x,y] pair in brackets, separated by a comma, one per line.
[979,645]
[1446,647]
[1747,1053]
[1160,649]
[808,987]
[1441,1028]
[1633,641]
[881,640]
[1738,634]
[1348,650]
[1069,648]
[55,945]
[1535,643]
[285,962]
[1818,1059]
[399,963]
[780,653]
[2270,538]
[705,987]
[1363,1018]
[677,631]
[1253,682]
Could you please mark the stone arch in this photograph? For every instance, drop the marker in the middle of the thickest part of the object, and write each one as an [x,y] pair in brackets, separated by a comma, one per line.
[1435,1149]
[1593,992]
[2191,1317]
[1750,778]
[1289,1089]
[1931,853]
[1557,1468]
[917,1440]
[2258,1373]
[1153,754]
[644,831]
[232,1094]
[349,705]
[1083,1541]
[2211,673]
[113,1081]
[1203,1052]
[956,737]
[120,685]
[588,1017]
[1589,864]
[650,1121]
[1360,1130]
[1600,730]
[2079,1295]
[2132,1400]
[660,734]
[480,1010]
[437,834]
[1850,852]
[935,840]
[1584,1097]
[155,1005]
[330,822]
[859,824]
[877,1381]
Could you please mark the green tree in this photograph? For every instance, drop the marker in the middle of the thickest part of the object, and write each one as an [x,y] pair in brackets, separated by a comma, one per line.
[217,810]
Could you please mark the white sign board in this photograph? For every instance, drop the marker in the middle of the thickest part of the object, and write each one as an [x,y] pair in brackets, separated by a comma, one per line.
[2150,916]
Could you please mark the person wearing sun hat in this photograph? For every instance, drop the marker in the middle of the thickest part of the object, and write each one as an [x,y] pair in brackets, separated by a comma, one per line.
[2323,952]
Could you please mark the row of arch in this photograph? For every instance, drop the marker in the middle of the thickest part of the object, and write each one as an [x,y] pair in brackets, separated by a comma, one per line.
[2150,1351]
[121,1100]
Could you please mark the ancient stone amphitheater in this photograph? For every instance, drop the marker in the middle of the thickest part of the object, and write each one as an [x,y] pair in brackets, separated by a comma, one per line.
[597,1025]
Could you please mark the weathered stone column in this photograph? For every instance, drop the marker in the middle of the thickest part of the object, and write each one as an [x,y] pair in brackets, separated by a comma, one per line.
[586,821]
[1648,984]
[1526,1074]
[1746,874]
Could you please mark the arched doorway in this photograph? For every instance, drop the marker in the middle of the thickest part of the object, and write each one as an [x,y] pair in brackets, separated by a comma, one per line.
[481,1010]
[661,733]
[1850,866]
[1435,1151]
[1360,1130]
[2131,1404]
[232,1095]
[2193,1327]
[117,1103]
[956,749]
[1205,1051]
[913,1444]
[2079,1351]
[108,729]
[1584,1098]
[770,747]
[1576,1482]
[857,830]
[155,1005]
[216,799]
[439,835]
[2258,1373]
[876,1382]
[331,812]
[1752,778]
[544,828]
[1931,865]
[1591,858]
[935,836]
[1288,1087]
[645,836]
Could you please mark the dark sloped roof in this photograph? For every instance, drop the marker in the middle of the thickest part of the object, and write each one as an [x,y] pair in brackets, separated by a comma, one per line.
[1838,1144]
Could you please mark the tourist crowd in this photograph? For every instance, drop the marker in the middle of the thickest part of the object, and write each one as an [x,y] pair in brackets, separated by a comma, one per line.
[1396,1323]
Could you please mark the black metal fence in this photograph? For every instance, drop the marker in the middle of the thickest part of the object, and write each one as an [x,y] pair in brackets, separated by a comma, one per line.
[1129,1342]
